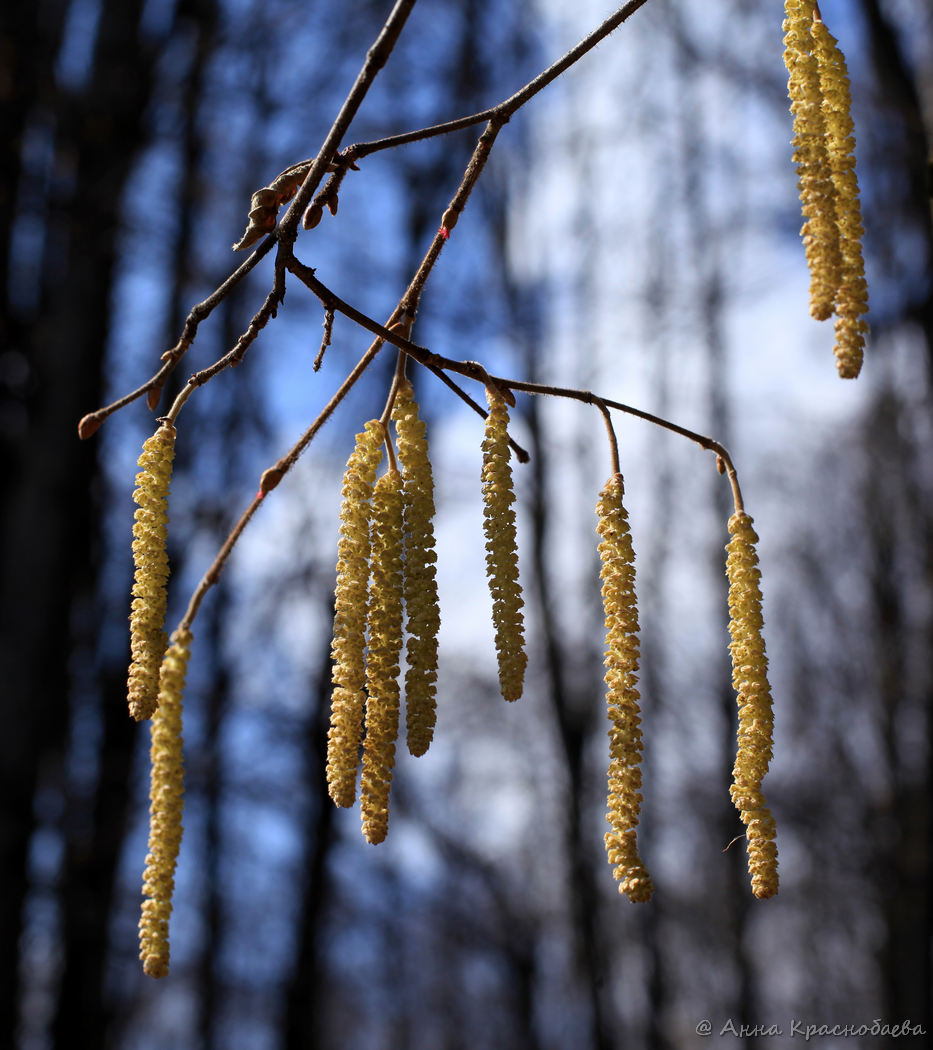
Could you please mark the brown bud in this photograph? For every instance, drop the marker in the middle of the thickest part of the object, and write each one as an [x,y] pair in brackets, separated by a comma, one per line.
[270,478]
[720,465]
[152,398]
[332,204]
[89,426]
[312,216]
[449,218]
[403,327]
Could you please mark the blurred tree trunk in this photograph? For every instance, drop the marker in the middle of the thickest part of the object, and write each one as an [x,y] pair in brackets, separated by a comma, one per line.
[57,339]
[899,514]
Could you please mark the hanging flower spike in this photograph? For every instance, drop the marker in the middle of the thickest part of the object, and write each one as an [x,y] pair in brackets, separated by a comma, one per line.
[385,647]
[349,672]
[420,581]
[625,741]
[147,613]
[852,296]
[502,549]
[816,187]
[753,693]
[165,809]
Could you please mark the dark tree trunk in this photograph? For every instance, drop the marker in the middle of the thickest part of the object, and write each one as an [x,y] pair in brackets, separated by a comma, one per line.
[50,495]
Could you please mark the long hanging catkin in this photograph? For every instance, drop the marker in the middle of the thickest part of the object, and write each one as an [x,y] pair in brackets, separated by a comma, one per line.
[349,672]
[625,740]
[814,176]
[753,694]
[165,809]
[420,581]
[147,614]
[385,647]
[852,294]
[502,548]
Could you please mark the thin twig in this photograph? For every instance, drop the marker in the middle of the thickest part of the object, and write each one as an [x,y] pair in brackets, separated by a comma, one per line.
[325,339]
[520,453]
[376,58]
[610,430]
[502,109]
[274,475]
[90,423]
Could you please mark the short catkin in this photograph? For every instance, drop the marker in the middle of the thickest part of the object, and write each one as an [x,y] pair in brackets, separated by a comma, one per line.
[753,694]
[420,579]
[814,177]
[502,548]
[147,613]
[350,605]
[385,647]
[824,151]
[165,809]
[617,557]
[851,301]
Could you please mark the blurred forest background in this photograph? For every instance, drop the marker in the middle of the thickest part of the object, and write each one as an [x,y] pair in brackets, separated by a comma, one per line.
[636,232]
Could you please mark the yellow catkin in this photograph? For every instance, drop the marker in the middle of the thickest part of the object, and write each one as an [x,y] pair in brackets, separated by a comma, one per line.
[349,670]
[502,549]
[851,301]
[385,647]
[817,189]
[753,693]
[147,613]
[625,739]
[165,809]
[420,580]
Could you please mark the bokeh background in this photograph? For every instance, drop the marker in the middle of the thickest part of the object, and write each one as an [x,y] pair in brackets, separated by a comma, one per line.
[635,233]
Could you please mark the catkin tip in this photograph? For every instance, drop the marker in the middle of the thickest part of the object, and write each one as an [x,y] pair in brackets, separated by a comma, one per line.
[753,696]
[502,549]
[351,601]
[617,558]
[166,793]
[420,578]
[385,646]
[147,612]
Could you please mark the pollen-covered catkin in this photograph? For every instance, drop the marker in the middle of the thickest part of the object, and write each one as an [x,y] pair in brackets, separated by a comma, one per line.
[147,613]
[817,189]
[349,671]
[851,300]
[165,809]
[753,693]
[502,548]
[420,580]
[385,647]
[625,739]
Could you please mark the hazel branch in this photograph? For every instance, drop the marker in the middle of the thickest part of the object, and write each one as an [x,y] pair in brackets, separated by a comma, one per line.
[376,58]
[502,110]
[270,479]
[92,421]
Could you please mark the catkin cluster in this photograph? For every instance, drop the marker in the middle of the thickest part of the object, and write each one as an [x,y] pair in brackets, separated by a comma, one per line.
[385,565]
[824,145]
[617,558]
[502,549]
[753,693]
[165,809]
[147,613]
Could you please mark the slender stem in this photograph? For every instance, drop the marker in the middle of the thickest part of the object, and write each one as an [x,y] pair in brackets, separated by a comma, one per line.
[376,58]
[278,470]
[198,313]
[325,339]
[610,430]
[508,106]
[520,453]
